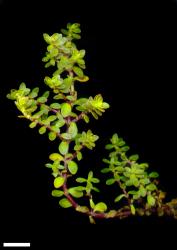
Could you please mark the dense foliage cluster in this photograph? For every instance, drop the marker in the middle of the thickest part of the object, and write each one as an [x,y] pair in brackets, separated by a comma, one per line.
[58,111]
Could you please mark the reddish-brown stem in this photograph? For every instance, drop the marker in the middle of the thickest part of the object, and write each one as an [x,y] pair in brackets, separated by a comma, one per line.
[121,213]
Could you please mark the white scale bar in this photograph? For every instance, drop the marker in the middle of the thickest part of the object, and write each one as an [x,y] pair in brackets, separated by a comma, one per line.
[5,244]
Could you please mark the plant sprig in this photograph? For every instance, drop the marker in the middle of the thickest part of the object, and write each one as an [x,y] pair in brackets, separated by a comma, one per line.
[58,111]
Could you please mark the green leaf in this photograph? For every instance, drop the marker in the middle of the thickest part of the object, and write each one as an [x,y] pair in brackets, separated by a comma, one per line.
[76,36]
[60,123]
[59,96]
[81,101]
[92,221]
[89,187]
[151,187]
[42,130]
[135,181]
[153,175]
[115,139]
[134,157]
[95,189]
[92,204]
[81,79]
[46,122]
[55,128]
[57,193]
[56,157]
[88,139]
[80,188]
[74,115]
[65,109]
[59,181]
[100,207]
[150,200]
[133,211]
[48,165]
[82,209]
[60,166]
[105,170]
[63,147]
[73,129]
[106,161]
[72,166]
[42,99]
[120,169]
[144,165]
[145,181]
[47,38]
[75,193]
[111,214]
[95,180]
[22,86]
[129,183]
[65,203]
[125,148]
[70,98]
[55,105]
[110,181]
[52,136]
[52,118]
[66,136]
[119,197]
[86,118]
[121,143]
[133,192]
[90,175]
[33,124]
[77,147]
[79,156]
[46,94]
[64,31]
[81,180]
[34,93]
[109,146]
[78,71]
[142,191]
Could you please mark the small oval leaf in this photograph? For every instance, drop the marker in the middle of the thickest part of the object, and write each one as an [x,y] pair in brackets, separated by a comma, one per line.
[150,200]
[75,193]
[56,157]
[119,197]
[57,193]
[132,209]
[110,181]
[59,181]
[42,130]
[153,175]
[72,166]
[100,207]
[63,147]
[73,129]
[65,109]
[65,203]
[52,136]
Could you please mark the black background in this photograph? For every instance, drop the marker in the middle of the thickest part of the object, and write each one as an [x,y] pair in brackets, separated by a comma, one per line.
[131,59]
